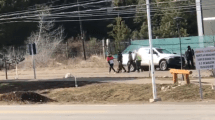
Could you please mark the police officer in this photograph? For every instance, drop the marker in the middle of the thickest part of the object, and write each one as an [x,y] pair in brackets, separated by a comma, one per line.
[138,61]
[189,56]
[119,59]
[130,61]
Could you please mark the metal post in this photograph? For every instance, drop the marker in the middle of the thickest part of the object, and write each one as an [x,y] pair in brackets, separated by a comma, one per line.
[103,46]
[76,84]
[179,33]
[16,64]
[200,85]
[81,30]
[67,52]
[83,40]
[33,61]
[5,67]
[151,51]
[200,23]
[199,17]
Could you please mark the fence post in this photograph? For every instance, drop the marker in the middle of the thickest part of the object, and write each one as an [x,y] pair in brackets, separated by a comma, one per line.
[67,53]
[83,42]
[103,47]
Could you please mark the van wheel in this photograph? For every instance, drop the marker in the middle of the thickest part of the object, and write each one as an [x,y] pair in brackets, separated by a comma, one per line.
[163,65]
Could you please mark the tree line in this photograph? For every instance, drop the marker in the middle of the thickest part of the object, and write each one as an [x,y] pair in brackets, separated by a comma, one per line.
[119,29]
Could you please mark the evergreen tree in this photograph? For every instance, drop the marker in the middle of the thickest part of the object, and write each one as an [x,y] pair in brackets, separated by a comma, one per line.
[120,31]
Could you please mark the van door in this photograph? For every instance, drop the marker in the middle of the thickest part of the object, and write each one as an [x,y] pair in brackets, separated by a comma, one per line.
[144,52]
[156,57]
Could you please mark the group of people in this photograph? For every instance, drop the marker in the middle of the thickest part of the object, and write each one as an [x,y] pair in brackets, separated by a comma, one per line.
[189,54]
[131,62]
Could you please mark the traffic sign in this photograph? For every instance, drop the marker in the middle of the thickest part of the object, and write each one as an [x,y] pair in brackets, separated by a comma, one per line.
[34,49]
[205,58]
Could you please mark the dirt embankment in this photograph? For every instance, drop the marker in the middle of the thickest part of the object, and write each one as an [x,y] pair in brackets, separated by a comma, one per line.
[65,92]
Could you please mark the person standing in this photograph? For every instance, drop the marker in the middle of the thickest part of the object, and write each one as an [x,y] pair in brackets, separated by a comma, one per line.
[130,61]
[119,59]
[138,61]
[189,56]
[111,63]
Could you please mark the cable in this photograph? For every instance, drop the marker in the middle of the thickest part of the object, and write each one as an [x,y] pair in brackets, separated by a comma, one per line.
[48,17]
[53,8]
[69,12]
[82,19]
[50,7]
[87,11]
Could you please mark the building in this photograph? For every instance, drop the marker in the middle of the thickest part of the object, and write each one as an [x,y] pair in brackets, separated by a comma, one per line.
[208,12]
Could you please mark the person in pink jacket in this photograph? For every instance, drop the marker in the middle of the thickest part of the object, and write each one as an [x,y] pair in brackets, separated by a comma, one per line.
[111,63]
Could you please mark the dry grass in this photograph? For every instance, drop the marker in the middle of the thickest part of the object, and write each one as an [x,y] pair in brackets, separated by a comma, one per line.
[64,92]
[187,93]
[124,93]
[103,93]
[93,62]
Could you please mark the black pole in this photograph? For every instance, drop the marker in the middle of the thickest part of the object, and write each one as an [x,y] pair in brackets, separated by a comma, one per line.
[81,30]
[84,37]
[179,33]
[5,62]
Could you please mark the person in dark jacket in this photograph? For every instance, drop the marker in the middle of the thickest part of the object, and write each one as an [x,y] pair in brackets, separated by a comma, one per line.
[189,56]
[119,59]
[130,61]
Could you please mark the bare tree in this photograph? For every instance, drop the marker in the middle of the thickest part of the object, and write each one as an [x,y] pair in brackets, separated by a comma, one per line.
[47,38]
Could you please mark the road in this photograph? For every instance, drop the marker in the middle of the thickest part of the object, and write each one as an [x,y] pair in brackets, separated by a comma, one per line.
[56,73]
[109,112]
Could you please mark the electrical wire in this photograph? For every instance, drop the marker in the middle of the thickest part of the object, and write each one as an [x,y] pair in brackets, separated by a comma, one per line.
[36,11]
[101,14]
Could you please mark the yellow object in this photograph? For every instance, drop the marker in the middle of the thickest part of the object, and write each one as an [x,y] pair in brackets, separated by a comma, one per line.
[175,72]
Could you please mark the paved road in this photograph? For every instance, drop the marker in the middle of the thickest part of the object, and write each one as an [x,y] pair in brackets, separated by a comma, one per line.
[109,112]
[87,73]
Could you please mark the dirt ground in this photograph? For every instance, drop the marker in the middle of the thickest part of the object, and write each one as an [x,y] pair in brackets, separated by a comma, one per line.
[97,93]
[100,88]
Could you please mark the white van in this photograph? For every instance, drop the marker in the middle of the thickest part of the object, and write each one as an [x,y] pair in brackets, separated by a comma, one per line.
[163,59]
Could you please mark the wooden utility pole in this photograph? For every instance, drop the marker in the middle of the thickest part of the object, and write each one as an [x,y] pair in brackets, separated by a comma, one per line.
[81,30]
[103,48]
[84,38]
[15,57]
[67,52]
[5,62]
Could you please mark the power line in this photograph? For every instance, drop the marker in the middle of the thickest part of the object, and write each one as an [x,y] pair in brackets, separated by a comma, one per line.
[46,3]
[100,14]
[36,11]
[131,11]
[71,12]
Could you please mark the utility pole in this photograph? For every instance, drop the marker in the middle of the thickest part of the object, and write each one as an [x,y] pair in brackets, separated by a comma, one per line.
[200,22]
[199,17]
[84,38]
[5,62]
[178,20]
[81,30]
[151,52]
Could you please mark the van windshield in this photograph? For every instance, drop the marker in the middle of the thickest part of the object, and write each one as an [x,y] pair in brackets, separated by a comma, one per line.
[163,51]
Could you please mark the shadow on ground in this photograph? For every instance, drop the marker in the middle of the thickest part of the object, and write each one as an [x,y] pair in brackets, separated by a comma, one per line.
[7,87]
